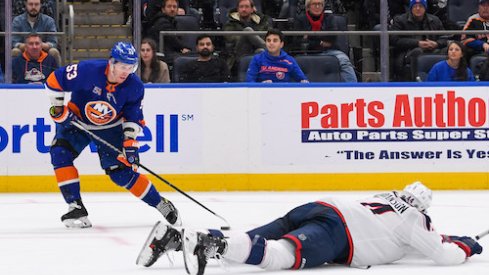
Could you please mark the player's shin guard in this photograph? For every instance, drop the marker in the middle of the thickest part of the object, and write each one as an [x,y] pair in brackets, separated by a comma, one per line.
[140,186]
[68,183]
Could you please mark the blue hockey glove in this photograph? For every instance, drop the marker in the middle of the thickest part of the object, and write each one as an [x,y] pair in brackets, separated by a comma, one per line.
[131,154]
[467,244]
[63,117]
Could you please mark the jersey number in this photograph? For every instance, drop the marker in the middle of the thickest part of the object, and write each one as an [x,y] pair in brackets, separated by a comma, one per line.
[71,71]
[378,208]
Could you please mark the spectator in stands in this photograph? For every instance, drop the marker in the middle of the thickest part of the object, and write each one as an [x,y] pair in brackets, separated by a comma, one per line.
[48,7]
[165,21]
[151,8]
[152,69]
[316,20]
[478,43]
[34,65]
[206,67]
[454,68]
[408,47]
[34,21]
[245,18]
[274,64]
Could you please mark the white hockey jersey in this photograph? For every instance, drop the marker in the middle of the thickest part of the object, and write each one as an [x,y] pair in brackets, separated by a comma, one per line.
[384,228]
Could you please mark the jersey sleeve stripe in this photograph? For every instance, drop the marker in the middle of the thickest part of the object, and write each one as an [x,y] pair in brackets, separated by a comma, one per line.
[52,82]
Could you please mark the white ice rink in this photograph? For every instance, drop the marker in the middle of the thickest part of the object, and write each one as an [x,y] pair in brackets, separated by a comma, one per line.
[33,241]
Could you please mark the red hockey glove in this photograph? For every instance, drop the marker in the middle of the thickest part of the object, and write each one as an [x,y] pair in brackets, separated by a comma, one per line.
[467,244]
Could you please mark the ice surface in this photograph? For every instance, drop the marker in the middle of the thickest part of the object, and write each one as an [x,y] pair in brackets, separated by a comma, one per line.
[34,241]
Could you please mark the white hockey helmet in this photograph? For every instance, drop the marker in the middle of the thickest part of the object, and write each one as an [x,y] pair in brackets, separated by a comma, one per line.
[417,195]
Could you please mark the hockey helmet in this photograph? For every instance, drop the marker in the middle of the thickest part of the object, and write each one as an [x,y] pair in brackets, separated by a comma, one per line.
[417,195]
[124,52]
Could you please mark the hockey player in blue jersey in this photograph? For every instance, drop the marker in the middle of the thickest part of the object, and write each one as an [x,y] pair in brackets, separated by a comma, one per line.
[274,64]
[106,98]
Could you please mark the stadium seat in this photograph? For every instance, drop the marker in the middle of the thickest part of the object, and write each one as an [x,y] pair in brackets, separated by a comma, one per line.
[177,66]
[243,65]
[424,64]
[476,63]
[320,68]
[341,23]
[459,10]
[188,23]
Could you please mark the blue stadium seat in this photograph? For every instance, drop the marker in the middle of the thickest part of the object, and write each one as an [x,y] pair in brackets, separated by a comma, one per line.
[476,63]
[424,64]
[188,23]
[243,65]
[459,10]
[177,66]
[320,68]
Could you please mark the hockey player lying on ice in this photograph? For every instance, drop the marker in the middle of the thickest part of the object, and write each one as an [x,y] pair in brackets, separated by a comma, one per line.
[372,231]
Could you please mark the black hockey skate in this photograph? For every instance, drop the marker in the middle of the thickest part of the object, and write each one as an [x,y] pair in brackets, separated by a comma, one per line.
[162,239]
[169,211]
[77,216]
[198,248]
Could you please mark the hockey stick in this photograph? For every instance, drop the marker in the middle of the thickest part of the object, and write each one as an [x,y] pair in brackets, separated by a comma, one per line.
[482,234]
[115,149]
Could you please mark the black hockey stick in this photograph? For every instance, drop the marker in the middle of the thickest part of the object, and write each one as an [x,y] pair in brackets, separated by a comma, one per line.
[482,234]
[104,142]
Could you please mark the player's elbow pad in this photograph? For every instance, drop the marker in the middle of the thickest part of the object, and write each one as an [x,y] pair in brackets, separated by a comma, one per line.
[131,129]
[57,98]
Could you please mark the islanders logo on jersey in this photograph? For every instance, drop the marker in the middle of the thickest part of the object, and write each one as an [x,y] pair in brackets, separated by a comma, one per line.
[100,112]
[280,75]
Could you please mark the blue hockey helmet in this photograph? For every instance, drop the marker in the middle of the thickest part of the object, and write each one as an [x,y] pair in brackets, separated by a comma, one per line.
[124,52]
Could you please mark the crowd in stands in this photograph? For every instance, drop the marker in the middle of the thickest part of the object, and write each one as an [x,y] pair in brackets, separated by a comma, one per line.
[228,55]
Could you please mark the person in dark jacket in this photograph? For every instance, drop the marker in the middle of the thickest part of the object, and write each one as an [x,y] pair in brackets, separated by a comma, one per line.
[34,65]
[274,64]
[477,43]
[165,21]
[245,18]
[408,47]
[206,67]
[316,20]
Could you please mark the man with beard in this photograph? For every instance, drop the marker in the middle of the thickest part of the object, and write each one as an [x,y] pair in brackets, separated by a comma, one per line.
[206,67]
[32,20]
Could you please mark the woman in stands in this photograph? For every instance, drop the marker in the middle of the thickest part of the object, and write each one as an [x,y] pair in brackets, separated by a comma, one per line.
[454,68]
[152,69]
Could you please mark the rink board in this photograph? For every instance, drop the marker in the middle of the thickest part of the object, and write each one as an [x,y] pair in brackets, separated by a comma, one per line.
[275,137]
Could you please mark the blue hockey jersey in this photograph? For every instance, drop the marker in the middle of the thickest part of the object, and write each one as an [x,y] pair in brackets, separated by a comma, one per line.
[282,68]
[96,101]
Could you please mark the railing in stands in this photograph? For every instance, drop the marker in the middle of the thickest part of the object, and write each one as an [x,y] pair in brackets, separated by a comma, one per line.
[67,36]
[384,45]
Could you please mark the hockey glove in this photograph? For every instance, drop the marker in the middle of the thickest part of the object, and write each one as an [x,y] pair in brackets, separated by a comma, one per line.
[63,117]
[467,244]
[131,154]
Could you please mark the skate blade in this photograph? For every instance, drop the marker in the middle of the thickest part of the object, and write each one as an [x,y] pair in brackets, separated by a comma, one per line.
[82,222]
[145,256]
[189,239]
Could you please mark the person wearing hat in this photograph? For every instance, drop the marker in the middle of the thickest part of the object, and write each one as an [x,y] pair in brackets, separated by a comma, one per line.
[407,48]
[477,43]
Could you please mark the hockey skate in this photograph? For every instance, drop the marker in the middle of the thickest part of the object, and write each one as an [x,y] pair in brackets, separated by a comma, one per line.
[198,248]
[77,216]
[169,211]
[161,240]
